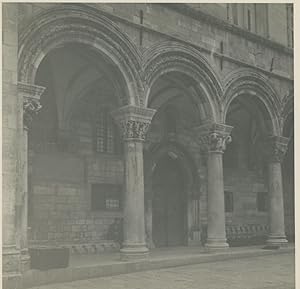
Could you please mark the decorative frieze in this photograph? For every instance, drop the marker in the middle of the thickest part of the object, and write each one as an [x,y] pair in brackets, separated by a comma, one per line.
[31,101]
[214,137]
[133,121]
[276,148]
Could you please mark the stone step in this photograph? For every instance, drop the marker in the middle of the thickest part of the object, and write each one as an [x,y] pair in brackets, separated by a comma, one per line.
[36,277]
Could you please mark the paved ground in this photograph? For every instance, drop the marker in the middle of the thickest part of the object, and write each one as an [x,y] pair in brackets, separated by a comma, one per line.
[266,272]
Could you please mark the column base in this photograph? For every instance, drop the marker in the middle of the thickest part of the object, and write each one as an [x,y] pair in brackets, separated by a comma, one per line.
[10,259]
[25,260]
[12,280]
[134,252]
[216,244]
[150,244]
[11,277]
[276,241]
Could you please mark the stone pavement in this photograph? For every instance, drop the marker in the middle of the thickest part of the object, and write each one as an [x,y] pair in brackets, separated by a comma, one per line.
[263,272]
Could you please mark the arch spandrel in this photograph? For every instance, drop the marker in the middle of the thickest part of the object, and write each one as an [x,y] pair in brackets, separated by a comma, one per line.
[172,56]
[70,23]
[249,82]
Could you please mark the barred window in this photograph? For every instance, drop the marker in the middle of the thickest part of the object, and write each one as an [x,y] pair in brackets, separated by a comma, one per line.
[105,197]
[105,133]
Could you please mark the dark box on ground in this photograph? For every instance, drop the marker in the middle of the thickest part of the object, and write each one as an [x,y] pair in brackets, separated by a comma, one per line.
[45,258]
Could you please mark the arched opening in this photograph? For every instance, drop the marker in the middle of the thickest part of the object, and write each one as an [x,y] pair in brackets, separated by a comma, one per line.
[171,148]
[168,204]
[76,158]
[288,177]
[245,174]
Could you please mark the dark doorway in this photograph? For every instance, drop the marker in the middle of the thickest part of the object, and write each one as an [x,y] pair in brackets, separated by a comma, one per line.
[168,204]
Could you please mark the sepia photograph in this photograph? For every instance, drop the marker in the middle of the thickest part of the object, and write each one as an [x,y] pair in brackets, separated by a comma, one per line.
[148,145]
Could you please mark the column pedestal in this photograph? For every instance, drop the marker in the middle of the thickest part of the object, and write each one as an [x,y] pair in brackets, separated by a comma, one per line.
[277,148]
[134,123]
[11,278]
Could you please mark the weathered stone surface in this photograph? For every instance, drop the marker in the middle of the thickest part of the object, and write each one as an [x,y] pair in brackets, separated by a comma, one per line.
[198,56]
[10,153]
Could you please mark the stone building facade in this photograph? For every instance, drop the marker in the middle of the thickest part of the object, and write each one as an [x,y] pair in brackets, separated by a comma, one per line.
[133,126]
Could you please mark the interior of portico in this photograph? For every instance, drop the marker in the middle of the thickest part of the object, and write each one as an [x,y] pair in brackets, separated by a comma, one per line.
[172,160]
[76,136]
[245,174]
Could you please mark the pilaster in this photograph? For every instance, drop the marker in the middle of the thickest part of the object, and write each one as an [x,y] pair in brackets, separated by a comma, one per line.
[30,95]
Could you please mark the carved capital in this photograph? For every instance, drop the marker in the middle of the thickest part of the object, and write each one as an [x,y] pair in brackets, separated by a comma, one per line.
[133,121]
[276,148]
[213,137]
[31,101]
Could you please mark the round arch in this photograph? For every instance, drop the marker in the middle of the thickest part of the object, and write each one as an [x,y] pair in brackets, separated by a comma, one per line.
[172,56]
[247,81]
[78,23]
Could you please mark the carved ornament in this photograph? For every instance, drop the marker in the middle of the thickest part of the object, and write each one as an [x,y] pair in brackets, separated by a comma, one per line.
[214,137]
[133,121]
[31,101]
[276,148]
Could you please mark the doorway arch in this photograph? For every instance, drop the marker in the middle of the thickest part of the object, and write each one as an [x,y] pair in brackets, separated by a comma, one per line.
[164,163]
[168,203]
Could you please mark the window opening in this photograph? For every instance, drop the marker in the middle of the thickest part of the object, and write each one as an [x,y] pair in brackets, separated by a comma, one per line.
[105,197]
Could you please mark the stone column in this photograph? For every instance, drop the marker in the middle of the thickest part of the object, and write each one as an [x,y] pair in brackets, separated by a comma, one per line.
[276,149]
[11,126]
[30,94]
[134,123]
[213,139]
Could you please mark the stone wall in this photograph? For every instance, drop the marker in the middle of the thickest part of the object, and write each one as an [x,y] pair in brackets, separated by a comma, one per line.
[60,199]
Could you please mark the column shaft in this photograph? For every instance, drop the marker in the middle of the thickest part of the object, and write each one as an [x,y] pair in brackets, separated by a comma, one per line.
[277,148]
[276,203]
[134,224]
[216,234]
